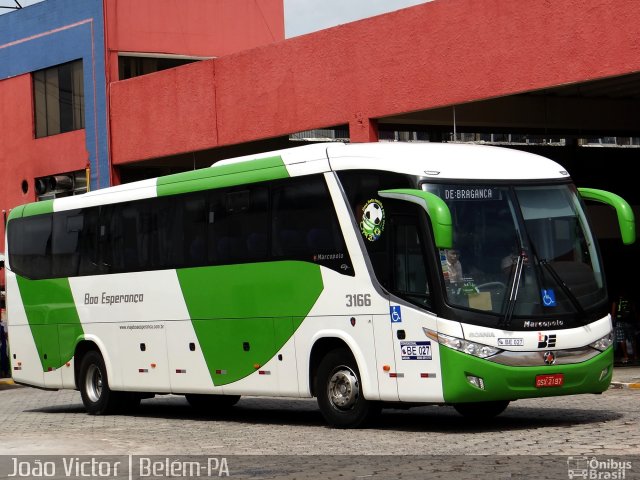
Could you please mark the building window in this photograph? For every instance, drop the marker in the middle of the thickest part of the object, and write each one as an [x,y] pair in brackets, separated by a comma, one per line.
[59,99]
[129,67]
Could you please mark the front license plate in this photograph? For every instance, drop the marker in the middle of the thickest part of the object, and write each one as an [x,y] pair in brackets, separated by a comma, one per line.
[550,380]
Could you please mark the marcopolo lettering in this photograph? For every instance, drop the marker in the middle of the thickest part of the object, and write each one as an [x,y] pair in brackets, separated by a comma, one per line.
[543,323]
[108,299]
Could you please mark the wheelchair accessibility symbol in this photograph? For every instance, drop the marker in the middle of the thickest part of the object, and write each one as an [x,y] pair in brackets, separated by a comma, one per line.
[396,315]
[548,297]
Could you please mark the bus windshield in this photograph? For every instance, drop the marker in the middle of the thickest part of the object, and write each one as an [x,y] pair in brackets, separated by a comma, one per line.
[519,251]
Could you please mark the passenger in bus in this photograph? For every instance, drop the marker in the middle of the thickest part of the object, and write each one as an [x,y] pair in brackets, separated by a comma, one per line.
[507,264]
[454,267]
[625,321]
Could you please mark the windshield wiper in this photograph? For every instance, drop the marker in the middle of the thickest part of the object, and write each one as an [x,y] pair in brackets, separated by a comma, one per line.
[565,289]
[513,291]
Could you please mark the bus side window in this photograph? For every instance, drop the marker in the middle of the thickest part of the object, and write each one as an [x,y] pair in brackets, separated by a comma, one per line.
[305,226]
[127,232]
[30,246]
[290,207]
[118,232]
[125,235]
[238,225]
[254,233]
[230,244]
[167,236]
[194,230]
[88,243]
[67,227]
[409,267]
[397,252]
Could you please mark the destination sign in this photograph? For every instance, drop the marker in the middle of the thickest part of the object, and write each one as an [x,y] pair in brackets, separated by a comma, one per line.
[471,193]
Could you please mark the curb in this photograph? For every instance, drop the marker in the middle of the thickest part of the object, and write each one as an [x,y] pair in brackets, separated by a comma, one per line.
[622,385]
[6,381]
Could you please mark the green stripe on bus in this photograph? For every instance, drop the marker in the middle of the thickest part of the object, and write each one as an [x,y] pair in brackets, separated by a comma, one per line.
[502,382]
[16,212]
[31,209]
[55,330]
[244,314]
[271,168]
[38,208]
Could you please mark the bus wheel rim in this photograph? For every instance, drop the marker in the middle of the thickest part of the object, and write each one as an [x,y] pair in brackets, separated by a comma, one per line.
[343,388]
[93,383]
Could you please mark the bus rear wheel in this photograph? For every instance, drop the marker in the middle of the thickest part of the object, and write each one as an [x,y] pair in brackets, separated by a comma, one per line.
[97,397]
[211,403]
[339,391]
[480,410]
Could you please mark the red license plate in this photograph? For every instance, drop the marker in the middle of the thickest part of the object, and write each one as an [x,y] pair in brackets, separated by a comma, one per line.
[550,380]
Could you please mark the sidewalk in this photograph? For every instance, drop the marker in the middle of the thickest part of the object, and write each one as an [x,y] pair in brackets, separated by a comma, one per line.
[626,377]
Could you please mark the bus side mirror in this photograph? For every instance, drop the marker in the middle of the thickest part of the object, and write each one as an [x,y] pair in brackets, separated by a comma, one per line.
[626,218]
[436,209]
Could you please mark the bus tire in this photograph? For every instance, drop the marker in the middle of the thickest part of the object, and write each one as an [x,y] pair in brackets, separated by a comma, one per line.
[339,391]
[480,410]
[97,397]
[211,403]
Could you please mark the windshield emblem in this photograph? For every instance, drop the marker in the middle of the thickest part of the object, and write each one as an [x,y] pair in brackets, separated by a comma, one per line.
[546,341]
[373,220]
[549,358]
[548,297]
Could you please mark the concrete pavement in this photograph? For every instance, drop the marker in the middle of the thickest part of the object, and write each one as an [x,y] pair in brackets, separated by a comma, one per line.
[626,377]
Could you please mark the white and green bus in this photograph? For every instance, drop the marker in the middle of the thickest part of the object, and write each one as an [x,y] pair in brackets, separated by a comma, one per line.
[322,271]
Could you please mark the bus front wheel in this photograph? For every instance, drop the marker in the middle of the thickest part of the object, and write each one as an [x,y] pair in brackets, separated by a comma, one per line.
[97,397]
[480,410]
[339,391]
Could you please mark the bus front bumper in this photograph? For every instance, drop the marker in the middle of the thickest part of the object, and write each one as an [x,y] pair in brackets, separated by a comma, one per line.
[460,374]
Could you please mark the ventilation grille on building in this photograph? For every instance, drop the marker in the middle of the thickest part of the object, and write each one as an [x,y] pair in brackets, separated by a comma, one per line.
[61,185]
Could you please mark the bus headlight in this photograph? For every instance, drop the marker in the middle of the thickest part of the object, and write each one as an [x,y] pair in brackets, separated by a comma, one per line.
[471,348]
[603,343]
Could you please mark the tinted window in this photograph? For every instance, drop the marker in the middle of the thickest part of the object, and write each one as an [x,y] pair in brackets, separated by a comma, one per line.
[65,251]
[88,262]
[191,219]
[409,279]
[305,226]
[124,237]
[392,231]
[30,241]
[239,225]
[362,185]
[283,220]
